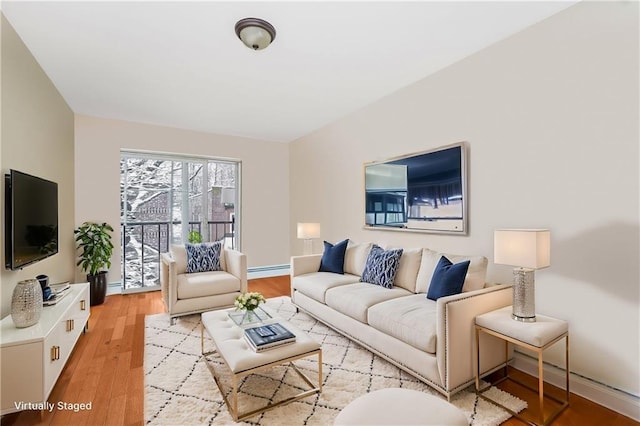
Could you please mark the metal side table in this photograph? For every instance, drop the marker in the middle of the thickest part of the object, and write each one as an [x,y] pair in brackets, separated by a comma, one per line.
[535,336]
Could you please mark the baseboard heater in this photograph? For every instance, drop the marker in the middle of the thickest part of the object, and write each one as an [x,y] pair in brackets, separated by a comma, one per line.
[267,271]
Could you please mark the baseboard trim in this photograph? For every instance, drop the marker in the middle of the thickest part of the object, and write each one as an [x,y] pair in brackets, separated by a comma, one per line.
[267,271]
[614,399]
[114,288]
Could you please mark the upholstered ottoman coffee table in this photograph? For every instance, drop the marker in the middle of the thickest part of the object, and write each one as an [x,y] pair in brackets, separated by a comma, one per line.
[396,406]
[241,360]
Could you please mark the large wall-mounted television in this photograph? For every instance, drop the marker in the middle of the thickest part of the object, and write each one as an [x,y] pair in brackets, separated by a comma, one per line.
[426,191]
[31,219]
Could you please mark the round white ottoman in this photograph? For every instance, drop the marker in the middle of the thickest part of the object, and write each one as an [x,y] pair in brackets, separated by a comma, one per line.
[396,406]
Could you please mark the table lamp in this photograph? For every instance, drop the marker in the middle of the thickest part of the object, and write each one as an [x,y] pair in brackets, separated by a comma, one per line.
[307,232]
[528,250]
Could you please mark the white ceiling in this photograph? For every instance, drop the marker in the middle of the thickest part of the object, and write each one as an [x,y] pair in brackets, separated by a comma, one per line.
[180,64]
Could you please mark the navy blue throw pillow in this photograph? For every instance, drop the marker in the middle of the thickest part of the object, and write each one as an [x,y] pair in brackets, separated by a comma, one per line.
[333,257]
[203,257]
[381,267]
[447,278]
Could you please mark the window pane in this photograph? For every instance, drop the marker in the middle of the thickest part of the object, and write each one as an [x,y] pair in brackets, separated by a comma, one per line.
[162,199]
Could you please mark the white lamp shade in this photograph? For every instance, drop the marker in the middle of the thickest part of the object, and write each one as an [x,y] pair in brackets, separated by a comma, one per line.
[308,230]
[527,248]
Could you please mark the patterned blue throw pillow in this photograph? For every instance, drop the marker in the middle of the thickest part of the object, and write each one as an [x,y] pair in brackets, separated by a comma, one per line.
[203,257]
[381,266]
[448,278]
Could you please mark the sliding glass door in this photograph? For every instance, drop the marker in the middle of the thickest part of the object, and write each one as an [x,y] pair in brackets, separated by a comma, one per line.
[171,200]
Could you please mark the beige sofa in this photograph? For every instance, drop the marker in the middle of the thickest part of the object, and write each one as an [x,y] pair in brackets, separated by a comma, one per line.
[432,340]
[189,293]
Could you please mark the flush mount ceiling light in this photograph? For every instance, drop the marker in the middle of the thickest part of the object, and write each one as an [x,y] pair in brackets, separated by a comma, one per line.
[255,33]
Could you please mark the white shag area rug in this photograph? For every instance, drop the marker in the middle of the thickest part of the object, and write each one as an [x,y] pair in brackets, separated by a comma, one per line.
[179,389]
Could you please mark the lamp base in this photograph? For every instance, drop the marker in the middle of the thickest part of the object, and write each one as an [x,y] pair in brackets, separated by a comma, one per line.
[308,246]
[524,299]
[523,319]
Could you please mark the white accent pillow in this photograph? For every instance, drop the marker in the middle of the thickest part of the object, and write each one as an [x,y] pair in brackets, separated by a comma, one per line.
[408,270]
[356,257]
[475,275]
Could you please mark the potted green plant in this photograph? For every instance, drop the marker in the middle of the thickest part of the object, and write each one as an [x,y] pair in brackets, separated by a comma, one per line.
[94,240]
[194,237]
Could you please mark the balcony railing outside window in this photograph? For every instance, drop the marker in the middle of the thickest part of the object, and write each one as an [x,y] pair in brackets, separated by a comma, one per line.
[142,243]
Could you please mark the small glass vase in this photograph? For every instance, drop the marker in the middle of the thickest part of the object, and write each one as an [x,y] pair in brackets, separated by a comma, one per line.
[250,317]
[26,303]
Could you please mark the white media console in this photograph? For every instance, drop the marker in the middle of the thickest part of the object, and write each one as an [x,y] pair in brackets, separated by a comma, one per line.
[32,358]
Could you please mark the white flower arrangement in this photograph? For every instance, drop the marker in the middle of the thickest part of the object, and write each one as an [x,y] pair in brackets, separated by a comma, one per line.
[249,301]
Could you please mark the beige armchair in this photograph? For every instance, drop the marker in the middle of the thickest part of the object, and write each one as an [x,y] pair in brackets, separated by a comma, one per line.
[189,293]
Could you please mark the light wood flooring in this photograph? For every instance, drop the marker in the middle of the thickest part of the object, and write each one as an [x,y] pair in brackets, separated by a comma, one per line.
[106,369]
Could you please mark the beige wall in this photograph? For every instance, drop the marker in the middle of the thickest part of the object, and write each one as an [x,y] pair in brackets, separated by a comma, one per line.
[37,138]
[551,117]
[265,174]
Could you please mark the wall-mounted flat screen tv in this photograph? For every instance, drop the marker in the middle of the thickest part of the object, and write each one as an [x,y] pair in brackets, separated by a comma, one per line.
[418,192]
[31,219]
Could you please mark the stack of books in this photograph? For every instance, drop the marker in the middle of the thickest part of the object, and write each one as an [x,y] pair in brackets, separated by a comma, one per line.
[268,336]
[58,292]
[60,287]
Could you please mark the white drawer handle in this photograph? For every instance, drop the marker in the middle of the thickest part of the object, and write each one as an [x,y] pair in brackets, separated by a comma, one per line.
[70,325]
[83,305]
